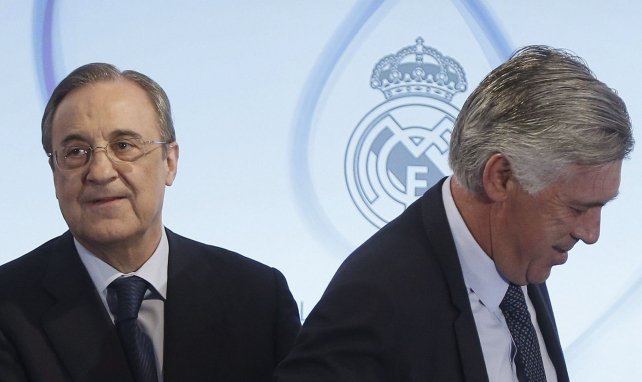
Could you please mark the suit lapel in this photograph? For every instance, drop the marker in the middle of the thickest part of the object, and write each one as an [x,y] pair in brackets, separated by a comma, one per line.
[195,318]
[546,321]
[441,240]
[77,324]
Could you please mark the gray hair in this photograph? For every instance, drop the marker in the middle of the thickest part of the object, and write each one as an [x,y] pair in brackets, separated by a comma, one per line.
[544,110]
[99,72]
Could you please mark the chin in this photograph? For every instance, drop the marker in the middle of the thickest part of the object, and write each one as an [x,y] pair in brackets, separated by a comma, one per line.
[540,277]
[102,235]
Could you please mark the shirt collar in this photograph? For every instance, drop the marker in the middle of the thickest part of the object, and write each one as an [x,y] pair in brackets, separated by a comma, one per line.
[154,271]
[480,273]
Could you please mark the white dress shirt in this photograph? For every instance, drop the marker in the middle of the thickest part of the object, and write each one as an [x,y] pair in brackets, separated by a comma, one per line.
[486,289]
[154,271]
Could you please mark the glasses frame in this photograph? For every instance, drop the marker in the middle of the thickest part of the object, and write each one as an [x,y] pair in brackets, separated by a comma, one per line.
[108,152]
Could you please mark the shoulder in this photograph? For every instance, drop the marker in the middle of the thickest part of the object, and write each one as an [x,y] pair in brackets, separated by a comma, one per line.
[226,277]
[200,257]
[29,266]
[411,256]
[413,230]
[405,243]
[23,280]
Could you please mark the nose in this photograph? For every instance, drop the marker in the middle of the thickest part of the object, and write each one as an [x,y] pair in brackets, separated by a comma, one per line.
[588,226]
[100,168]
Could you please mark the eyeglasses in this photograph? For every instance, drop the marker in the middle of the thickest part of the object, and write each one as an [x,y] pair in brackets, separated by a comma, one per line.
[121,150]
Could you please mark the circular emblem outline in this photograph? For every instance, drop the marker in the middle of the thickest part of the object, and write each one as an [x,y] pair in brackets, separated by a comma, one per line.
[359,145]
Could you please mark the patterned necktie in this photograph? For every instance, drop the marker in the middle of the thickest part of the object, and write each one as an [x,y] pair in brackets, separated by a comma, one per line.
[529,357]
[137,345]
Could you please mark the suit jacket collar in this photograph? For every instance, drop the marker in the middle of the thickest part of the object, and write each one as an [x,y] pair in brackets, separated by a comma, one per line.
[443,246]
[542,304]
[77,323]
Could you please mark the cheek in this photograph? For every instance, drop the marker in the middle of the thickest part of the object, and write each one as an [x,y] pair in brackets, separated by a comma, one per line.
[533,227]
[549,221]
[149,190]
[538,236]
[66,187]
[59,186]
[561,224]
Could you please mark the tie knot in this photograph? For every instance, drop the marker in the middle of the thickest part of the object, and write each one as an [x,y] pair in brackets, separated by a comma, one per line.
[129,296]
[514,300]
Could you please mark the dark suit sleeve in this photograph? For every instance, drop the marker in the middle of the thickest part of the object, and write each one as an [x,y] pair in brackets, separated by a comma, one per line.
[287,320]
[10,368]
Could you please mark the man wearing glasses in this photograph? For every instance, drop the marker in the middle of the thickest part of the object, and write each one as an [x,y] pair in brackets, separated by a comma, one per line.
[119,297]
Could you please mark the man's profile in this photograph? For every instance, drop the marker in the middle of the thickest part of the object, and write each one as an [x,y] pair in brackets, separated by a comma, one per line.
[453,289]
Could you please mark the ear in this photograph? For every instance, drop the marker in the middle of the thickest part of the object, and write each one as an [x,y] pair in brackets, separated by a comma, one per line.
[172,163]
[496,177]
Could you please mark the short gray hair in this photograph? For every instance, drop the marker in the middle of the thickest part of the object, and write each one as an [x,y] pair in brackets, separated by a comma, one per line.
[100,72]
[544,110]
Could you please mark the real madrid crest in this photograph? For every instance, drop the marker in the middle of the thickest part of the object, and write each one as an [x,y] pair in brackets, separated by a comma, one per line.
[399,149]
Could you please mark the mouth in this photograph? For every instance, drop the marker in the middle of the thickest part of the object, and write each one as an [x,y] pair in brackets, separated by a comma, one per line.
[103,200]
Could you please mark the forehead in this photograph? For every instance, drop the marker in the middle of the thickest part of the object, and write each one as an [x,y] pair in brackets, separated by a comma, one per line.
[98,110]
[590,185]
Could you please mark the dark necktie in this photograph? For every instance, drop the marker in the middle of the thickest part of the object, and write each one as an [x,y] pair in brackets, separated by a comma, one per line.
[528,358]
[137,345]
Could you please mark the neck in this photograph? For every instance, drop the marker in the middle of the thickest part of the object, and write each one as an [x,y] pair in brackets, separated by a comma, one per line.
[125,255]
[475,212]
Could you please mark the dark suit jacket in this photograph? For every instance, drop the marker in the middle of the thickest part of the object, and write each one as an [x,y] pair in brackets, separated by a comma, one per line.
[397,310]
[227,318]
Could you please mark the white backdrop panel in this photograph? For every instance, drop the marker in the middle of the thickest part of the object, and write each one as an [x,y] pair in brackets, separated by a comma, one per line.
[281,133]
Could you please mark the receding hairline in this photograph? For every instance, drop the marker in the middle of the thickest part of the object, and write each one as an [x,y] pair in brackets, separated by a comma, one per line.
[96,73]
[107,81]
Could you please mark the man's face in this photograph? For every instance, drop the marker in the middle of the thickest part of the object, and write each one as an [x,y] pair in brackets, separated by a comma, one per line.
[105,203]
[535,232]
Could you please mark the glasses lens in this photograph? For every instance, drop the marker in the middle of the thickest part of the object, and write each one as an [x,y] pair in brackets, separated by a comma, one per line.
[72,156]
[126,150]
[118,151]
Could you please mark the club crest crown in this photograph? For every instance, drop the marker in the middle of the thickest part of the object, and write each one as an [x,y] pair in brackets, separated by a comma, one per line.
[418,69]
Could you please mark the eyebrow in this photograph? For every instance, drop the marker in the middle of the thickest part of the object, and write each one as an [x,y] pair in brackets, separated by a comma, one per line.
[124,132]
[598,203]
[114,134]
[73,137]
